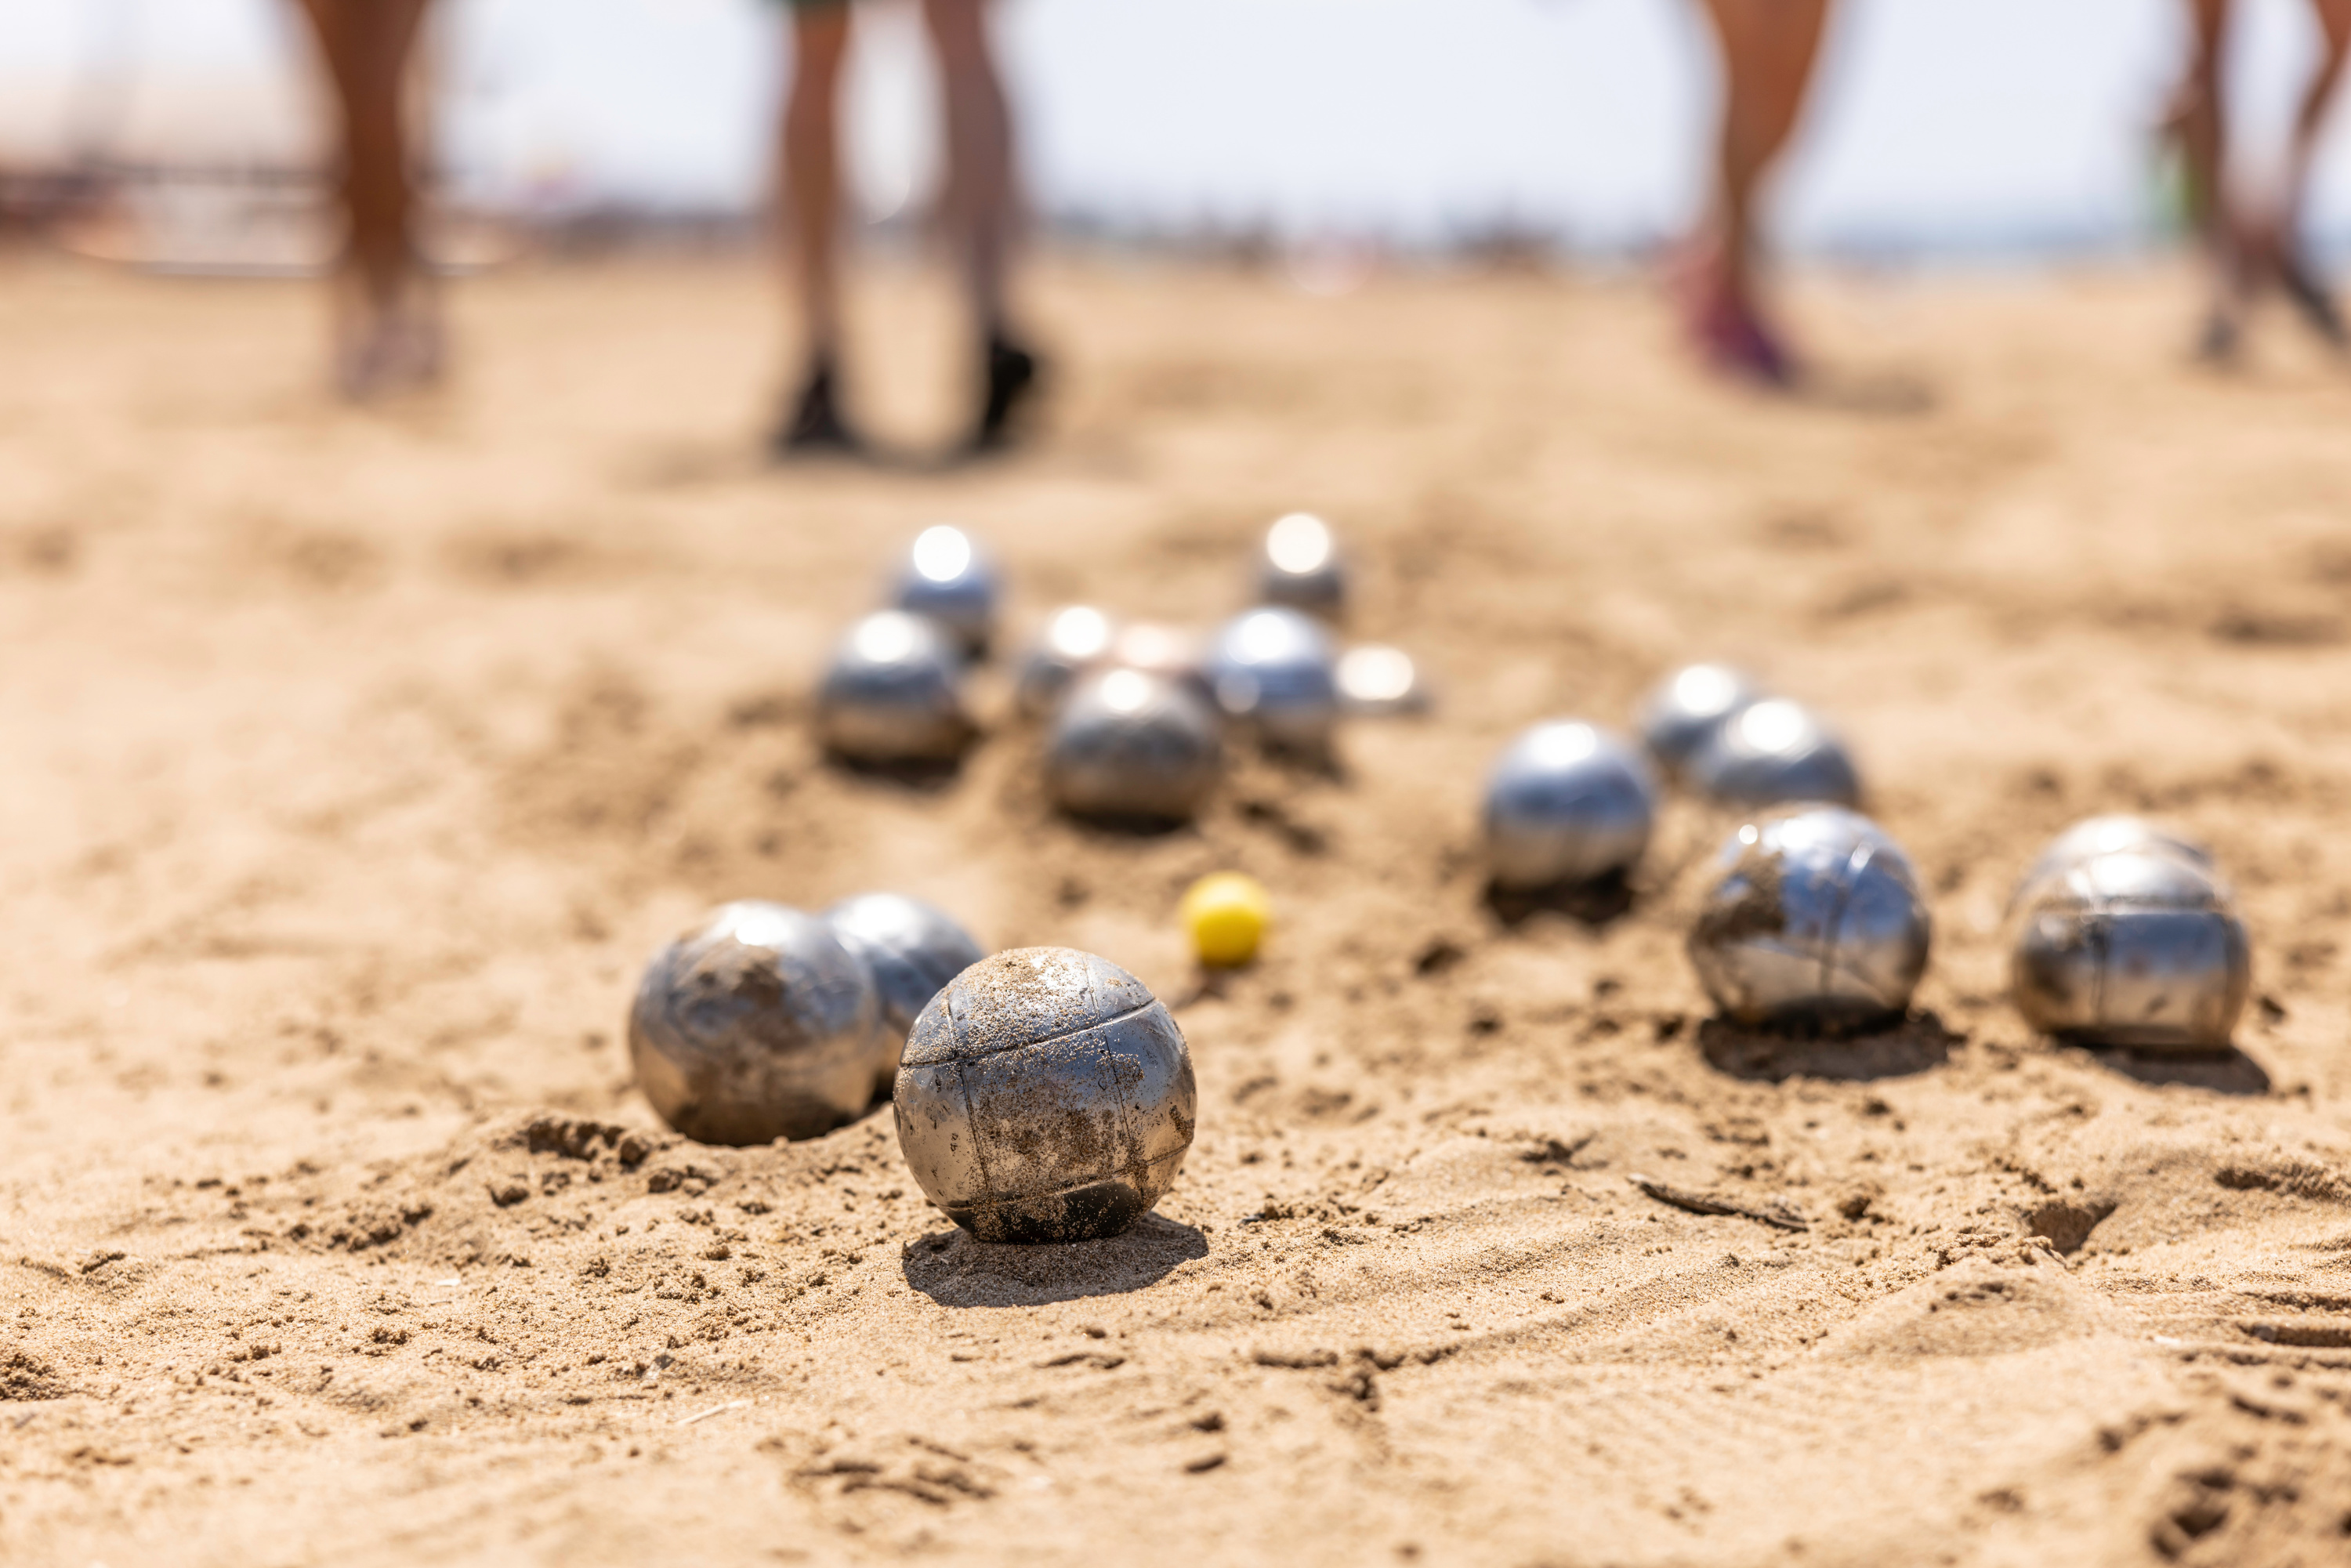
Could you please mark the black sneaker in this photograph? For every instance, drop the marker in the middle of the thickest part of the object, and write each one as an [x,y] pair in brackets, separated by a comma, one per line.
[816,425]
[1012,375]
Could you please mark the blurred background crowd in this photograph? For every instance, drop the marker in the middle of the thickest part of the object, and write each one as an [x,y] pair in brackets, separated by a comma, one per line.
[1332,135]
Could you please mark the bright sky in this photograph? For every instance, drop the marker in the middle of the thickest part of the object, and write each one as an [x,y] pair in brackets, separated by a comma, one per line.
[1941,123]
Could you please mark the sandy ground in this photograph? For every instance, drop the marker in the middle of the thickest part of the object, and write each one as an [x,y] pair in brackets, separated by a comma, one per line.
[356,761]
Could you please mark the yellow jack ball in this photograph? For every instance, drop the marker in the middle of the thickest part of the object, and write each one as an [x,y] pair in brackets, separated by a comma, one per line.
[1225,914]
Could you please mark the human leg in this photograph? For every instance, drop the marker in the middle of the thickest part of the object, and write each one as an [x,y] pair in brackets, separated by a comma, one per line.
[981,205]
[1768,50]
[2284,243]
[809,157]
[392,338]
[2198,122]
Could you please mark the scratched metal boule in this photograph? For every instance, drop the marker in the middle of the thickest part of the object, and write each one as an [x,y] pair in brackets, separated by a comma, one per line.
[1816,919]
[2124,934]
[1044,1096]
[913,950]
[758,1024]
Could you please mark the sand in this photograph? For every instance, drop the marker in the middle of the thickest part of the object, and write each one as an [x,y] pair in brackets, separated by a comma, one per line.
[357,760]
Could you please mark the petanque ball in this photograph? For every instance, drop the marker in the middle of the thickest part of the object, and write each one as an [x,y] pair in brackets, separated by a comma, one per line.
[913,949]
[758,1024]
[1816,919]
[1567,803]
[1045,1096]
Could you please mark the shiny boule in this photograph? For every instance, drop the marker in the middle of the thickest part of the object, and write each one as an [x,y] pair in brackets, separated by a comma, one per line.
[1076,637]
[893,692]
[1774,752]
[2093,836]
[1816,920]
[949,578]
[759,1024]
[1045,1096]
[1271,669]
[913,950]
[1299,564]
[1378,680]
[1178,653]
[2124,934]
[1567,803]
[1684,709]
[1129,744]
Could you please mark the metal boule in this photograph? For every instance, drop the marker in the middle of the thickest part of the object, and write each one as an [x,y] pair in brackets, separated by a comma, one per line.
[1270,669]
[1376,681]
[949,578]
[913,950]
[1816,920]
[2124,934]
[1076,637]
[1129,744]
[1774,752]
[758,1024]
[1178,653]
[1682,712]
[2094,836]
[1300,565]
[1566,801]
[893,692]
[1045,1096]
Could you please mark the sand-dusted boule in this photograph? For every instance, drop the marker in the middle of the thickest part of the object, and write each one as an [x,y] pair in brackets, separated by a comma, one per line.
[1128,744]
[1273,669]
[1773,753]
[1045,1096]
[1682,712]
[2122,933]
[1566,801]
[949,578]
[1817,920]
[913,950]
[756,1025]
[894,693]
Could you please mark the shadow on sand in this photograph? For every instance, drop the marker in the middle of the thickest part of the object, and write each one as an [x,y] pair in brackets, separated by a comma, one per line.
[1593,905]
[1916,1044]
[2228,1071]
[955,1270]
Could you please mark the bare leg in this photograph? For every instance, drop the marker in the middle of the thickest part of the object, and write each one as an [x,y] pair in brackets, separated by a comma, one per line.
[394,339]
[2283,244]
[1768,50]
[810,158]
[2199,122]
[980,207]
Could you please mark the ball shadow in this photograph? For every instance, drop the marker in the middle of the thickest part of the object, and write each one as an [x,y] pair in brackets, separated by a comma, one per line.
[927,776]
[1597,905]
[1916,1043]
[956,1270]
[2225,1071]
[1125,824]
